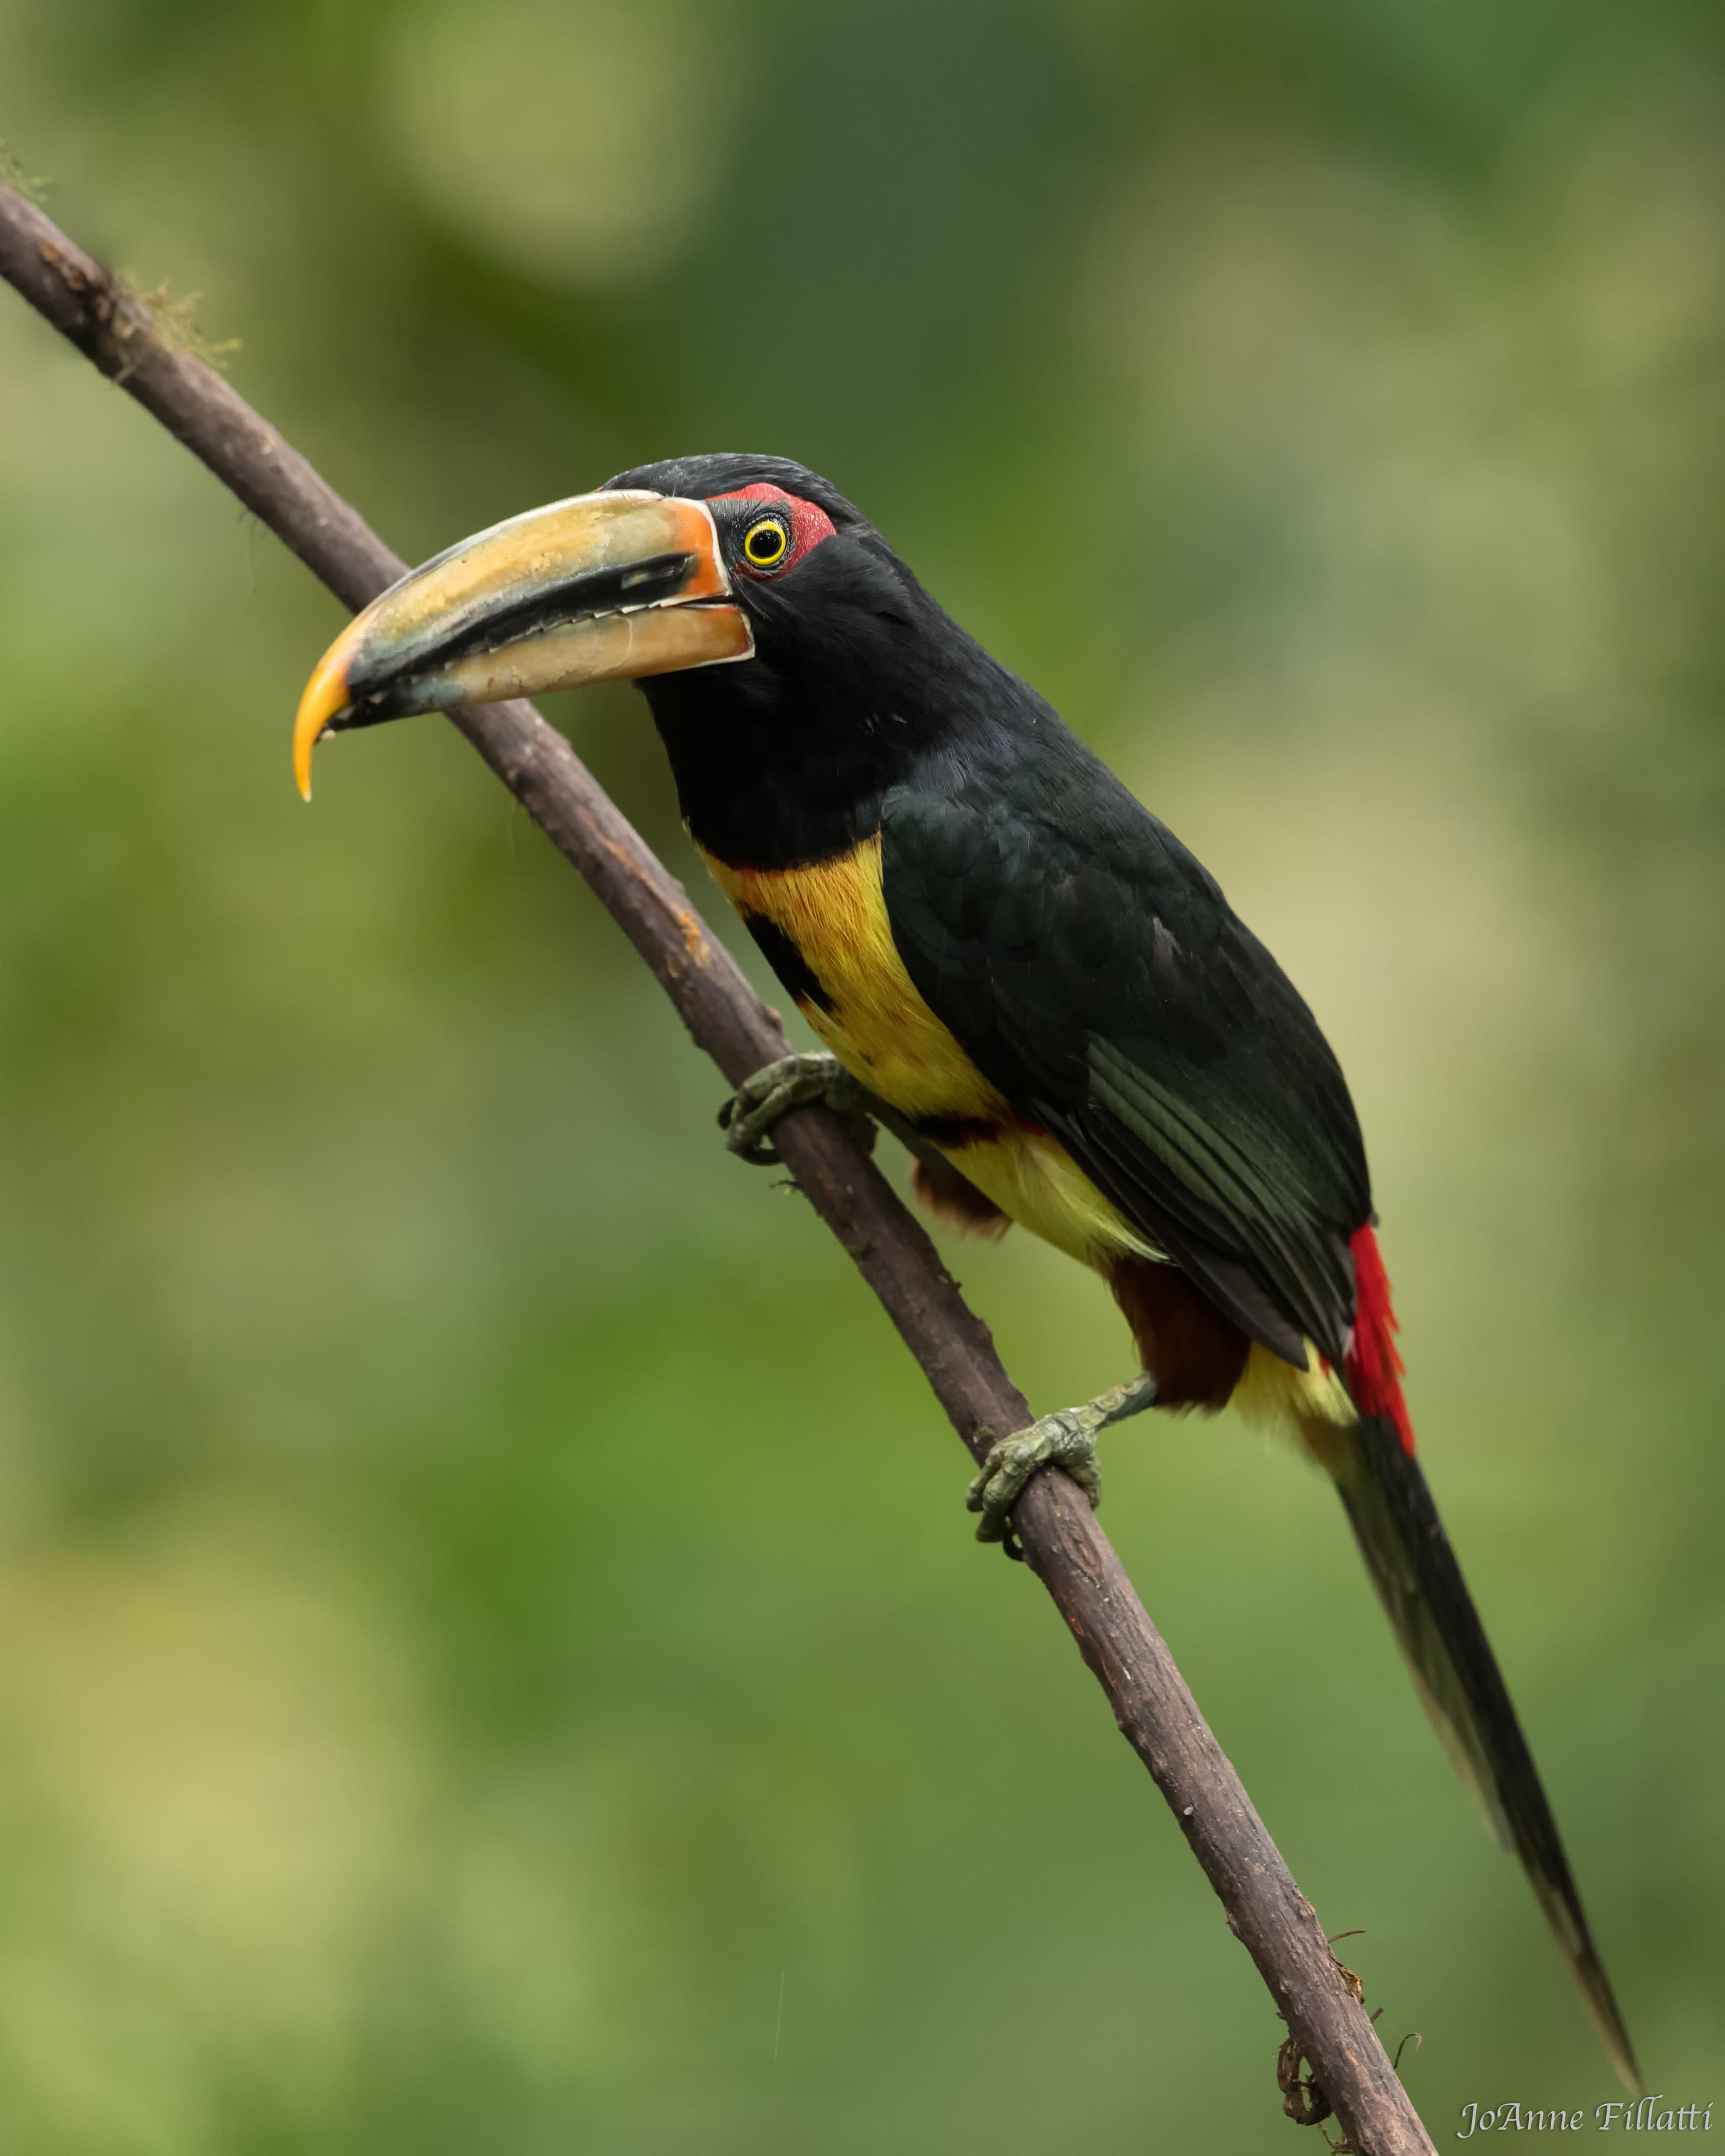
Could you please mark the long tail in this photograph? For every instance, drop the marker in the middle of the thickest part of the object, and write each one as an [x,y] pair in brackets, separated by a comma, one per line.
[1420,1584]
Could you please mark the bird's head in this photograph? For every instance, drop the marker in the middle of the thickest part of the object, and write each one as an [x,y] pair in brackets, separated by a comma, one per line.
[738,589]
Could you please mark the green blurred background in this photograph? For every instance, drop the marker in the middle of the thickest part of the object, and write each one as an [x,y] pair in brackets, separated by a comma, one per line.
[491,1655]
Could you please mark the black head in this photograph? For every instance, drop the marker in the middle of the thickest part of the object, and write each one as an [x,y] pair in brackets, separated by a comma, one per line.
[727,472]
[856,674]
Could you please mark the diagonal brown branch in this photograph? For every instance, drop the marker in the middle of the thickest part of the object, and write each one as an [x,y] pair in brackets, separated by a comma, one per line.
[1062,1541]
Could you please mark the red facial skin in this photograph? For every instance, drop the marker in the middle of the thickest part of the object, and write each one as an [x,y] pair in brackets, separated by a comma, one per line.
[808,525]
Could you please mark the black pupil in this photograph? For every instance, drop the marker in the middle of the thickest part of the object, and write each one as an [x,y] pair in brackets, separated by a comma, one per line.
[766,543]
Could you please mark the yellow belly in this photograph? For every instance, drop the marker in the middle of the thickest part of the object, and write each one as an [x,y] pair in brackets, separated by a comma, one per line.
[877,1025]
[873,1019]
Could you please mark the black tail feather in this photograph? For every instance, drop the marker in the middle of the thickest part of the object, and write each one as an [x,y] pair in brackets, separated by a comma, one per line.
[1420,1585]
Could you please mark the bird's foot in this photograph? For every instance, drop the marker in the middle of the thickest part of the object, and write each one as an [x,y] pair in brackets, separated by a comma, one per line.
[1067,1439]
[794,1081]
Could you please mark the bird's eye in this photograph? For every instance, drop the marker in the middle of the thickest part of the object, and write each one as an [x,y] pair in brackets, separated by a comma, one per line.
[765,543]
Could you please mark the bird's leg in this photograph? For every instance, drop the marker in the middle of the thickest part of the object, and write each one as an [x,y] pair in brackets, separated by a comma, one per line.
[1067,1440]
[794,1081]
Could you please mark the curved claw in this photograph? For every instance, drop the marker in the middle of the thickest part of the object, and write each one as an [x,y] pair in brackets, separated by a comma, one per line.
[793,1081]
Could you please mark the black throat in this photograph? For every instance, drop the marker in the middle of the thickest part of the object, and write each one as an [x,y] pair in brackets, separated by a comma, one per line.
[859,682]
[763,788]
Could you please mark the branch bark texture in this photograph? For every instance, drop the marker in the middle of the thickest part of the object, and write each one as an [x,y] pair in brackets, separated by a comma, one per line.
[1063,1542]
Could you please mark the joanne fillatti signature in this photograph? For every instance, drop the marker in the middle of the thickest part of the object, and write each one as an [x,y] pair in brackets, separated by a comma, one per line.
[1653,2114]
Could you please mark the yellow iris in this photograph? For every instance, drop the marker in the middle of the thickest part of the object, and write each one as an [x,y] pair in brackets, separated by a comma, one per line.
[765,543]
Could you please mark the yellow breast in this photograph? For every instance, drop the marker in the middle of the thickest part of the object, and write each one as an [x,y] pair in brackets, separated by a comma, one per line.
[867,1011]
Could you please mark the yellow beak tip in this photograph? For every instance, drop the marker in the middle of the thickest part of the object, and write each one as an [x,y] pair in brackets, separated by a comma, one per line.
[325,693]
[303,747]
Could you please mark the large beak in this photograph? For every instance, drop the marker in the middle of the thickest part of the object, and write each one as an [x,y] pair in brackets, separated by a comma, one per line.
[603,588]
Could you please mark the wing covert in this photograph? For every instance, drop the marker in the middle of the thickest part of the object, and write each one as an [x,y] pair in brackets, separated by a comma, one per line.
[1091,968]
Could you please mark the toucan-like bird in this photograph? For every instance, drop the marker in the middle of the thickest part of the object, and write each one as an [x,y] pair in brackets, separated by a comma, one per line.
[1017,967]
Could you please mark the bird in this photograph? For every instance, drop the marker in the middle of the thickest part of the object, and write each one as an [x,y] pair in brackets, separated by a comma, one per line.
[1013,965]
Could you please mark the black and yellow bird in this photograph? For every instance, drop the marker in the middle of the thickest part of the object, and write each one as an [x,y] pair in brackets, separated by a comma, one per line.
[1047,994]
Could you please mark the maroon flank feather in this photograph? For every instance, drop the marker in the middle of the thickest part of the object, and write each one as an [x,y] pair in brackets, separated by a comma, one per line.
[943,1190]
[1373,1365]
[1195,1354]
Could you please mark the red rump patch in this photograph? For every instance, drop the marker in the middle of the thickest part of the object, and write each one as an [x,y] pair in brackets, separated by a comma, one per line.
[1373,1366]
[808,524]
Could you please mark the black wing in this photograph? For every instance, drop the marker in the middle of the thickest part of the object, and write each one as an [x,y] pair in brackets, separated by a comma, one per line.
[1091,968]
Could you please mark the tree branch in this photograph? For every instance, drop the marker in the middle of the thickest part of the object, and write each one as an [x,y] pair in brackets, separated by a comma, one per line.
[1062,1542]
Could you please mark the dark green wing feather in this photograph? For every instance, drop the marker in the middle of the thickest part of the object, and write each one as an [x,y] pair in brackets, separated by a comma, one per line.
[1092,969]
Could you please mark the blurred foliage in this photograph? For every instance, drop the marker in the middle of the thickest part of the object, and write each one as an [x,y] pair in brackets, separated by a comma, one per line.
[490,1653]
